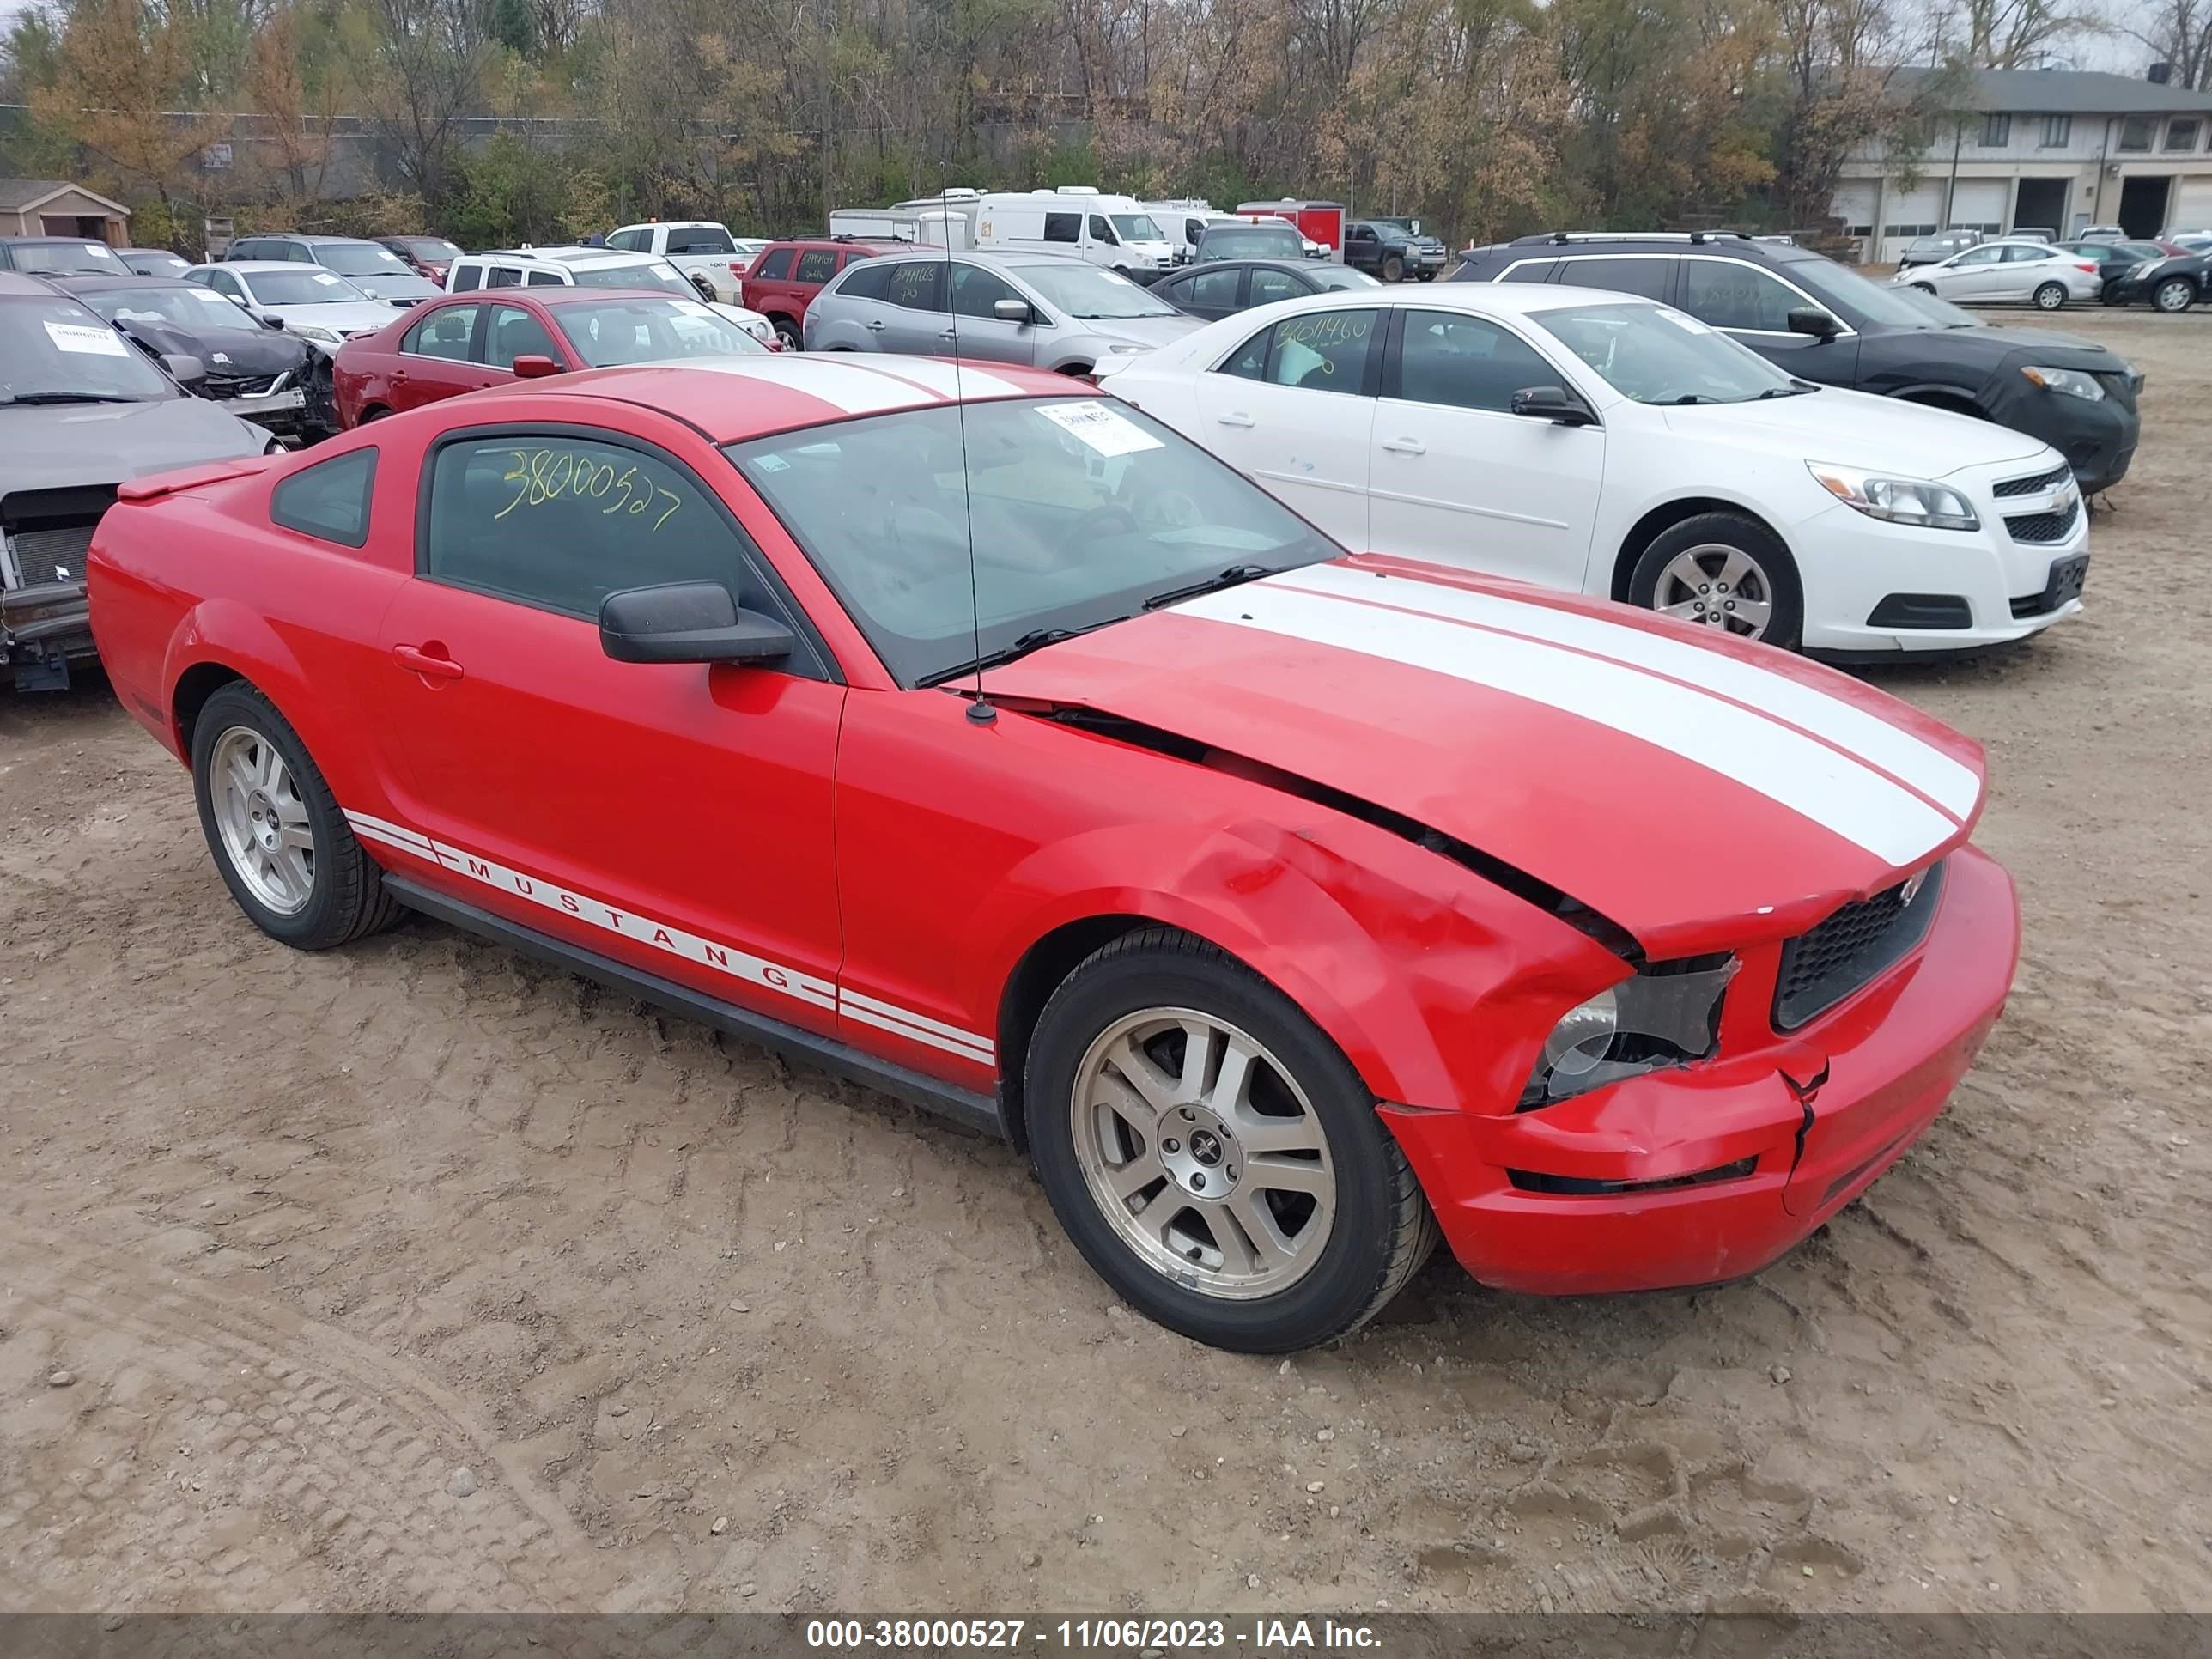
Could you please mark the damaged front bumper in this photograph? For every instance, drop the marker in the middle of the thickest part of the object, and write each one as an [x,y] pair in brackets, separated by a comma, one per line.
[43,628]
[1707,1173]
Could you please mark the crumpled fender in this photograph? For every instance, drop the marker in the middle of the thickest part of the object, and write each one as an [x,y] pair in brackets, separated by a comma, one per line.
[1438,986]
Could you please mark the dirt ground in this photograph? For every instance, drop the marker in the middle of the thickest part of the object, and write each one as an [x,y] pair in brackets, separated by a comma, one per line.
[311,1233]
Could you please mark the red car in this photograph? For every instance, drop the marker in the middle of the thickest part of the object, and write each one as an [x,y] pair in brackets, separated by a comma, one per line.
[1287,907]
[426,256]
[467,341]
[788,275]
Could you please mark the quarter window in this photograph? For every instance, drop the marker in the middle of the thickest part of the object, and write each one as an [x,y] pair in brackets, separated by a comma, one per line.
[817,264]
[444,333]
[917,284]
[1730,295]
[1323,351]
[1465,362]
[328,501]
[560,520]
[775,263]
[514,333]
[1269,285]
[1531,271]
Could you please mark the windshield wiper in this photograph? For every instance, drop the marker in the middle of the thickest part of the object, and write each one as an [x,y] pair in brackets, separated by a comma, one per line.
[1036,640]
[1229,578]
[1695,398]
[73,397]
[1795,389]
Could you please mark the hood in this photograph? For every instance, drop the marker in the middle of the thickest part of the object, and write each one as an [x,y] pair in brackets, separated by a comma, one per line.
[1997,346]
[63,445]
[395,285]
[1855,428]
[227,354]
[1151,332]
[348,317]
[1703,795]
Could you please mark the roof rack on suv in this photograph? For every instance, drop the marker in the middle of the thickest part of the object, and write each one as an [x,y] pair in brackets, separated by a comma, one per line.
[1561,238]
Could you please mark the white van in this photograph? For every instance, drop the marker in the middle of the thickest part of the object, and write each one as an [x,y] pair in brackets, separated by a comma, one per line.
[1183,222]
[947,220]
[1112,231]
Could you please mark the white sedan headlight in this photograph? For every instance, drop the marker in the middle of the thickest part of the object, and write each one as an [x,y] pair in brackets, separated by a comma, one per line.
[2068,383]
[309,332]
[1897,501]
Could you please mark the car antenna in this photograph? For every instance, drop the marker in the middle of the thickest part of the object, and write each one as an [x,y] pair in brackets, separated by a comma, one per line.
[980,711]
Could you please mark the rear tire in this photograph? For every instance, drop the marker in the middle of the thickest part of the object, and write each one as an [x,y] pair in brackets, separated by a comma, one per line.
[259,793]
[2174,296]
[1923,288]
[1311,1234]
[2051,296]
[1722,562]
[1393,269]
[788,331]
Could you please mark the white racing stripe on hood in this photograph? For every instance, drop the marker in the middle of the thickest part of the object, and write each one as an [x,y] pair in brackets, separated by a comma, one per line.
[1824,785]
[943,378]
[855,390]
[1944,781]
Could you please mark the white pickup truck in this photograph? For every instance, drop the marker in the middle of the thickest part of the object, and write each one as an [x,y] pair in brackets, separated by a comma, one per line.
[702,250]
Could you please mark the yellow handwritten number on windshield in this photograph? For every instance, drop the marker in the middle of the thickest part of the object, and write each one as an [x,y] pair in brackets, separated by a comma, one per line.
[541,476]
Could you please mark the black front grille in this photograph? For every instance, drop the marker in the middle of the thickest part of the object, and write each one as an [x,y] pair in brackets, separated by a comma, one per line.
[2035,486]
[2045,526]
[1819,969]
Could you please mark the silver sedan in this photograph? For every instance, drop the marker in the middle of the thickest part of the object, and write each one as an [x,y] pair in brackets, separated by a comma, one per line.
[2008,273]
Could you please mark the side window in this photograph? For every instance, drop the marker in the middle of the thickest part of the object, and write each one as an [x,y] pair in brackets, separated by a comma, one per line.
[503,276]
[917,284]
[1531,271]
[1465,362]
[1323,350]
[976,290]
[2021,256]
[1729,294]
[775,264]
[444,333]
[563,519]
[817,264]
[299,253]
[1249,361]
[543,279]
[467,278]
[328,501]
[514,333]
[629,241]
[1063,227]
[223,282]
[1102,232]
[1646,277]
[870,282]
[1275,285]
[1215,288]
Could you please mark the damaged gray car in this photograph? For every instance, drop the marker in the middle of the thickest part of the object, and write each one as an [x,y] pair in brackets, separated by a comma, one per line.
[81,410]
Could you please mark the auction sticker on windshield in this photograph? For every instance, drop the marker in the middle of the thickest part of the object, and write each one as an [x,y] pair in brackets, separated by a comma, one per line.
[1100,427]
[86,340]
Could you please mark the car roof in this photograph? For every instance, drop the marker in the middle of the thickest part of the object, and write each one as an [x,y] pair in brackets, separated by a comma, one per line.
[1600,242]
[261,266]
[569,294]
[96,282]
[24,285]
[1478,299]
[734,398]
[54,242]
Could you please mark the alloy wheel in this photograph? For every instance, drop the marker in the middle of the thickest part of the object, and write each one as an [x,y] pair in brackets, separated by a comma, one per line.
[1203,1153]
[262,820]
[1718,587]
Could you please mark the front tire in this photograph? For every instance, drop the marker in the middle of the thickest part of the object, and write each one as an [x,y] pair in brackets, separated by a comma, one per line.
[280,842]
[2174,296]
[1214,1156]
[2051,296]
[1726,572]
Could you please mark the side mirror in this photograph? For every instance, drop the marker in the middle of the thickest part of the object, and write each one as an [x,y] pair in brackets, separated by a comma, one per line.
[687,622]
[1013,311]
[1811,319]
[270,319]
[1417,227]
[1552,402]
[184,369]
[534,366]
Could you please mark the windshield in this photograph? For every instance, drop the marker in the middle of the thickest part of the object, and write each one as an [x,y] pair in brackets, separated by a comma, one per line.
[1659,355]
[1853,298]
[646,273]
[1935,312]
[1089,293]
[53,349]
[1257,242]
[63,256]
[431,247]
[1328,276]
[158,263]
[360,259]
[1079,510]
[1136,227]
[644,330]
[186,306]
[306,286]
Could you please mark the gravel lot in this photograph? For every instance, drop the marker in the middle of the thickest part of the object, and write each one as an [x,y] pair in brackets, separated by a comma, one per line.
[290,1240]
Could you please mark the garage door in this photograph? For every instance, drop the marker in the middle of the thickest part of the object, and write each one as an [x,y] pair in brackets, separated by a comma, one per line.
[2193,204]
[1979,204]
[1911,213]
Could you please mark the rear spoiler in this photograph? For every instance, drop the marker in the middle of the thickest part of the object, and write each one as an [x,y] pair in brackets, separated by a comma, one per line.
[155,485]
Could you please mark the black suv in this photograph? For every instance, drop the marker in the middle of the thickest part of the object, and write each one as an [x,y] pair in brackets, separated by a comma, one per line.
[1826,322]
[1393,249]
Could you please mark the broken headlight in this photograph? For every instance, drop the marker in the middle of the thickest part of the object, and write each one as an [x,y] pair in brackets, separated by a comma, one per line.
[1666,1014]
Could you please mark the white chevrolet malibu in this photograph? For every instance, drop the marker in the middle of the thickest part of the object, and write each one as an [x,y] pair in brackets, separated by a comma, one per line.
[1608,445]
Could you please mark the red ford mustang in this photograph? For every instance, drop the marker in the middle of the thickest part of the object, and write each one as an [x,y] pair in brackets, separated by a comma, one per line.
[1286,907]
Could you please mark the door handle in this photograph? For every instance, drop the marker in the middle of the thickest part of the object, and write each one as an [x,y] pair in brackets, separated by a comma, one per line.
[948,333]
[1235,417]
[425,663]
[1405,445]
[874,323]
